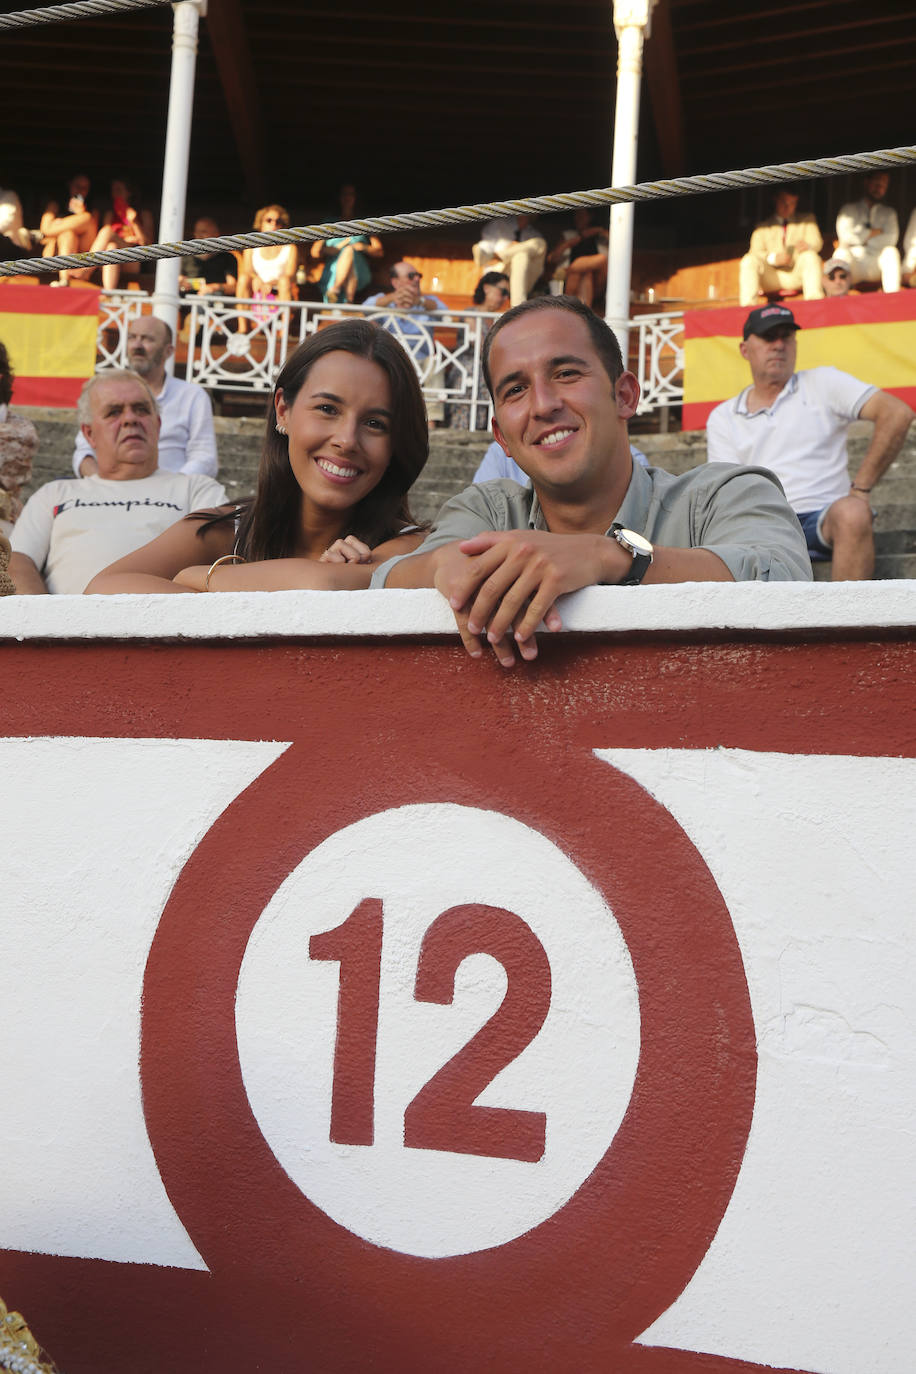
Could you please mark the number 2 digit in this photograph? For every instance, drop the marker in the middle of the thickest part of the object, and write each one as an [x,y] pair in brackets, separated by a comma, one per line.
[443,1115]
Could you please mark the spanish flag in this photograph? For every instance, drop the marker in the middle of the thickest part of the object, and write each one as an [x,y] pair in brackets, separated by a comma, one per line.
[50,337]
[871,336]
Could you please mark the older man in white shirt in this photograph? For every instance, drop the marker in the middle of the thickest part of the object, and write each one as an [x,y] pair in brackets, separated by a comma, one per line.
[795,424]
[187,442]
[71,530]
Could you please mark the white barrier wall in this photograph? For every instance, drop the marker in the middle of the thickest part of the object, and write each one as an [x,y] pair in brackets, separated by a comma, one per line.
[367,1006]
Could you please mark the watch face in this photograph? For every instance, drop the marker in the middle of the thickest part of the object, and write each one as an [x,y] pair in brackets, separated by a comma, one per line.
[634,541]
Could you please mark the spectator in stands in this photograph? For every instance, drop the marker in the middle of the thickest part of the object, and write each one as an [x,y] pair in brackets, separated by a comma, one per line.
[69,225]
[17,241]
[909,251]
[269,273]
[187,442]
[412,322]
[795,424]
[784,253]
[837,277]
[502,555]
[515,246]
[345,440]
[347,272]
[208,274]
[124,225]
[406,296]
[867,233]
[584,249]
[18,446]
[346,269]
[70,530]
[492,292]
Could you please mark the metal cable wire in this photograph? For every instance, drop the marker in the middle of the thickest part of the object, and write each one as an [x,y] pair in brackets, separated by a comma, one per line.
[776,174]
[79,9]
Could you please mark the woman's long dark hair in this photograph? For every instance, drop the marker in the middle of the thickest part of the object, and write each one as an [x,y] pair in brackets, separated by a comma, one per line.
[270,523]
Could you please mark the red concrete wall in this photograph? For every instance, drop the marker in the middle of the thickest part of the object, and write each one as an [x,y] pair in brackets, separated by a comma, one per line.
[403,724]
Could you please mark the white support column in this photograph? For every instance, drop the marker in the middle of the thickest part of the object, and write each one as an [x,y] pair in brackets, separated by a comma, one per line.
[631,24]
[177,149]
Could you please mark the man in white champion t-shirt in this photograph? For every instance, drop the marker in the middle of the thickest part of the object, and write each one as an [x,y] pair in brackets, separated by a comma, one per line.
[795,424]
[72,528]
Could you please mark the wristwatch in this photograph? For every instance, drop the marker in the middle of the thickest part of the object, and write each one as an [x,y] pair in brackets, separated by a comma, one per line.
[641,550]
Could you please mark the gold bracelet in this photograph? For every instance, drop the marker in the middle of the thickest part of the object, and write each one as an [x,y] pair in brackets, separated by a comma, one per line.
[226,558]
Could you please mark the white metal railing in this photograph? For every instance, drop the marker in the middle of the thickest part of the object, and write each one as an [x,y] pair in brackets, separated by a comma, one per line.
[660,360]
[445,347]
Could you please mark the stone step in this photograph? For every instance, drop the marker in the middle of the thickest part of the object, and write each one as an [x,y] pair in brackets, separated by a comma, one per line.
[895,541]
[888,567]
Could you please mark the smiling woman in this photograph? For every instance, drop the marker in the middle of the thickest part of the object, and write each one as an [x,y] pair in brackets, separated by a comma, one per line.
[346,436]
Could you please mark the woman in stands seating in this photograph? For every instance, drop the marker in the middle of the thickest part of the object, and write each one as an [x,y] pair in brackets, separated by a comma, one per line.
[347,272]
[492,292]
[586,249]
[123,226]
[269,273]
[346,438]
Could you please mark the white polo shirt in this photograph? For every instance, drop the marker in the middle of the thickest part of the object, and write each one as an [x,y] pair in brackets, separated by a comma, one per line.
[801,437]
[72,530]
[187,441]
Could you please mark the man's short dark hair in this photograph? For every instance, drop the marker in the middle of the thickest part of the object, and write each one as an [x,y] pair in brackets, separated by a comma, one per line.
[602,336]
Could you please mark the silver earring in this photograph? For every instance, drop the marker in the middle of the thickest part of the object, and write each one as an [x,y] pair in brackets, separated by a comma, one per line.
[281,429]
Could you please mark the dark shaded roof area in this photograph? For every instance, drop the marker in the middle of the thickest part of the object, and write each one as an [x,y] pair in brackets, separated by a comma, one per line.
[423,106]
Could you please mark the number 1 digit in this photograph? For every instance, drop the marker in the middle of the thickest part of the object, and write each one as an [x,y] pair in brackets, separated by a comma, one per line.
[357,947]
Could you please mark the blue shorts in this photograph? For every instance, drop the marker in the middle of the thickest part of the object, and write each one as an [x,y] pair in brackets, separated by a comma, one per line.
[812,527]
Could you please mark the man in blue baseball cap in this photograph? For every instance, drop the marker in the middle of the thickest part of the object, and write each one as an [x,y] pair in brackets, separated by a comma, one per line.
[795,424]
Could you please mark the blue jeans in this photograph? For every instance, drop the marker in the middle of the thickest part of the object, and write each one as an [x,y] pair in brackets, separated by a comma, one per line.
[812,527]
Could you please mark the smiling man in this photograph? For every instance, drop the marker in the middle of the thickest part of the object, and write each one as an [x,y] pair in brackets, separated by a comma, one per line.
[71,529]
[502,553]
[795,423]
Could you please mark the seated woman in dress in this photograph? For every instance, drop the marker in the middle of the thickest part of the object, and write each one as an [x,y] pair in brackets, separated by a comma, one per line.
[123,226]
[346,269]
[268,274]
[346,272]
[346,438]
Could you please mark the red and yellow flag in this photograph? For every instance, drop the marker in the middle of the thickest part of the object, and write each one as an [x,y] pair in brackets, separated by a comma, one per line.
[871,336]
[50,337]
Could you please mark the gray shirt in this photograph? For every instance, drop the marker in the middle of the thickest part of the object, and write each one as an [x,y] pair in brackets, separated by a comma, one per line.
[737,513]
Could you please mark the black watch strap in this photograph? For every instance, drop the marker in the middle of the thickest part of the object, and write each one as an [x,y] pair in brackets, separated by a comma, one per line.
[641,561]
[641,564]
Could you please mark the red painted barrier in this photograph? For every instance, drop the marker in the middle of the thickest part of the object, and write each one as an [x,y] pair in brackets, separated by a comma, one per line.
[438,874]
